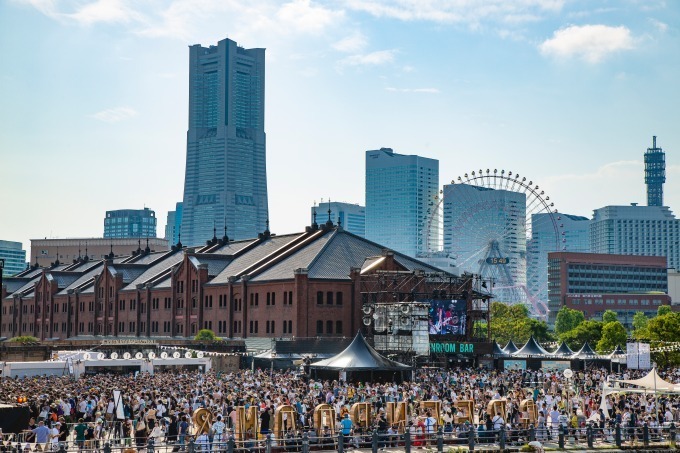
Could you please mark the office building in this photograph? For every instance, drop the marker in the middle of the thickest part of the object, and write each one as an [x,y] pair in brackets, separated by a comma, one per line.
[554,232]
[655,174]
[14,256]
[174,224]
[636,230]
[401,199]
[130,223]
[674,286]
[226,178]
[352,217]
[593,283]
[47,251]
[485,230]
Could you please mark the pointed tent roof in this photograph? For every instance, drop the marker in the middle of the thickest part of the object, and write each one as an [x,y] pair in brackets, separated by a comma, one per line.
[359,355]
[586,352]
[617,351]
[497,350]
[510,348]
[653,382]
[531,348]
[563,350]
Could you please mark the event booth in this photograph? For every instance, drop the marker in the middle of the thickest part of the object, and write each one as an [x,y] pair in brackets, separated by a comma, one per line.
[360,362]
[533,356]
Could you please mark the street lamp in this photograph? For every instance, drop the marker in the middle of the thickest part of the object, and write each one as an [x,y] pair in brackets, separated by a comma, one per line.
[568,374]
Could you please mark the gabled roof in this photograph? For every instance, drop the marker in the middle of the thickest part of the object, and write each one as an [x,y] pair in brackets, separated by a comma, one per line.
[84,278]
[359,355]
[129,272]
[62,278]
[216,263]
[234,247]
[563,351]
[617,351]
[586,352]
[14,283]
[156,269]
[531,348]
[497,351]
[240,263]
[510,348]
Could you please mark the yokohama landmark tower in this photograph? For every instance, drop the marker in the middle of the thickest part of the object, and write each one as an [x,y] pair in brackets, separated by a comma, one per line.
[226,176]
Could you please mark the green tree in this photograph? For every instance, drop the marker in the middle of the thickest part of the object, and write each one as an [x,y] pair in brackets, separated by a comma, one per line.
[663,310]
[662,329]
[613,334]
[609,316]
[205,335]
[640,321]
[539,330]
[24,339]
[512,322]
[567,319]
[590,331]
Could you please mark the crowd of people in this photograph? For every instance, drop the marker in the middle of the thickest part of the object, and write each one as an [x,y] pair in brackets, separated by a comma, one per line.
[83,413]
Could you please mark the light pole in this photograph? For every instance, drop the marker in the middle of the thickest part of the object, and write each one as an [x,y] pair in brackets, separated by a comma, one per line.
[568,374]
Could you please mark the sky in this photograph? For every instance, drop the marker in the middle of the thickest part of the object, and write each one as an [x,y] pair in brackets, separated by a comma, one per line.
[94,99]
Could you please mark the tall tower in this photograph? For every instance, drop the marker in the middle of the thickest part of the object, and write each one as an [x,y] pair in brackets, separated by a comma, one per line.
[655,174]
[400,200]
[226,176]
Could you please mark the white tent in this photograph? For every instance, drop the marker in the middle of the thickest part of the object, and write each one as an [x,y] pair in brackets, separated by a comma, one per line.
[653,382]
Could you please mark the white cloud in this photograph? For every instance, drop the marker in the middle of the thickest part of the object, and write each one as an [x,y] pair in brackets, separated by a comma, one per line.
[115,115]
[105,11]
[591,43]
[660,26]
[458,11]
[355,42]
[303,16]
[413,90]
[47,7]
[376,58]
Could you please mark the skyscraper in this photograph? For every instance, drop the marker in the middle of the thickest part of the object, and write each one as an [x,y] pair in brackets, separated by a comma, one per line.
[14,256]
[401,196]
[226,177]
[636,230]
[130,223]
[485,230]
[552,233]
[173,224]
[351,216]
[655,174]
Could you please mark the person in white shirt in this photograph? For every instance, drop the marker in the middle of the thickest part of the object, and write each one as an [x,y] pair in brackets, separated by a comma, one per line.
[54,436]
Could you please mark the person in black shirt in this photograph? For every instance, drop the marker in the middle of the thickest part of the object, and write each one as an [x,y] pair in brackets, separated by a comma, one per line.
[264,421]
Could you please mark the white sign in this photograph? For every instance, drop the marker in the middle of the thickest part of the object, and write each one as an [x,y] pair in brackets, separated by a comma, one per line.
[638,356]
[118,405]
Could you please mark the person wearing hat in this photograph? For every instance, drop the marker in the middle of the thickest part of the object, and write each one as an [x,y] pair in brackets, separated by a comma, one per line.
[346,425]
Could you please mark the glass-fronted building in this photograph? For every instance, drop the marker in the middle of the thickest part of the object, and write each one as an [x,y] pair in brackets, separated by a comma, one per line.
[225,179]
[130,223]
[174,224]
[14,256]
[636,230]
[401,198]
[351,216]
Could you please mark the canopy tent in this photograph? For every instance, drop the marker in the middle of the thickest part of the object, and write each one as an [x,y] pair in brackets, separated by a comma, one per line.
[359,356]
[653,382]
[586,352]
[531,348]
[497,351]
[563,351]
[616,352]
[510,348]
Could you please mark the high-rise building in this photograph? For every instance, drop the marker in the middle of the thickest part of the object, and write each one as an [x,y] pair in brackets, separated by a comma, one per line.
[593,283]
[174,224]
[225,177]
[401,194]
[14,256]
[636,230]
[130,223]
[485,230]
[655,174]
[554,232]
[351,216]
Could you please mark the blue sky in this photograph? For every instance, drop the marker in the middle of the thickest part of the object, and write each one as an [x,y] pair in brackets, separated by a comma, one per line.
[569,93]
